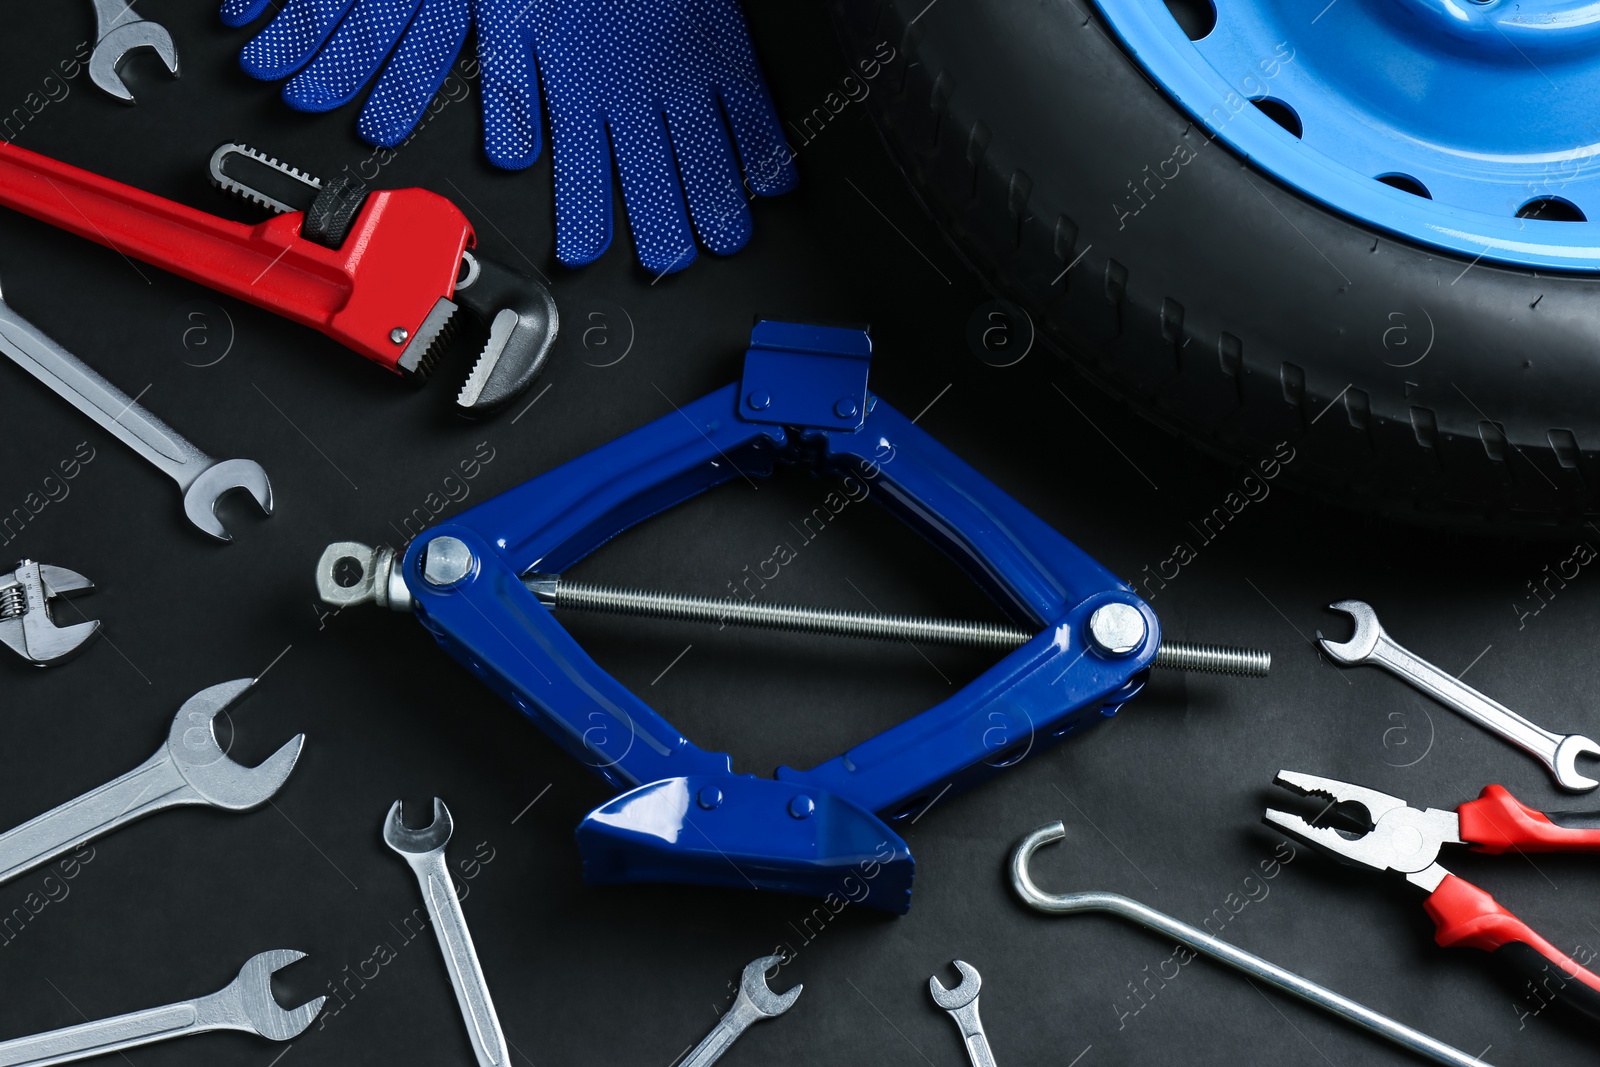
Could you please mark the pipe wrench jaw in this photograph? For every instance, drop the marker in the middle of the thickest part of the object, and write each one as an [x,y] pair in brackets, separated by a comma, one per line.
[406,261]
[744,832]
[518,322]
[407,305]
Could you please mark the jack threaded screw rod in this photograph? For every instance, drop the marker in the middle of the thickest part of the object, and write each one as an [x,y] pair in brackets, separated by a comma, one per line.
[556,592]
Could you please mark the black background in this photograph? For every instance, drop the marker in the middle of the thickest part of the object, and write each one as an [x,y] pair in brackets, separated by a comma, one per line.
[1162,803]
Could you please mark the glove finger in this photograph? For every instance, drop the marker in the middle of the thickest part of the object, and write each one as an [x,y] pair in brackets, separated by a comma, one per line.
[581,155]
[508,80]
[291,38]
[656,212]
[412,77]
[717,200]
[725,45]
[236,13]
[352,56]
[768,160]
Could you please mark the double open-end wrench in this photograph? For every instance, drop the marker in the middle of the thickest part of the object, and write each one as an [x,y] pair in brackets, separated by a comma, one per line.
[246,1003]
[203,480]
[1370,645]
[755,1002]
[962,1004]
[423,851]
[118,31]
[191,768]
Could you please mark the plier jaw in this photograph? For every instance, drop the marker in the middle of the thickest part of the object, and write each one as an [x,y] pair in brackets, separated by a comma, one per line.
[1407,839]
[1401,838]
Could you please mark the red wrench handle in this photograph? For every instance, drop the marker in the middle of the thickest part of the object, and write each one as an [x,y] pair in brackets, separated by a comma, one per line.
[1498,822]
[373,294]
[1467,916]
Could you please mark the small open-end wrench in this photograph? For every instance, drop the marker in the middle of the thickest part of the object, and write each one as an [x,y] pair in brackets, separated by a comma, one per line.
[755,1002]
[26,623]
[962,1004]
[191,768]
[203,480]
[246,1003]
[423,851]
[118,31]
[1371,646]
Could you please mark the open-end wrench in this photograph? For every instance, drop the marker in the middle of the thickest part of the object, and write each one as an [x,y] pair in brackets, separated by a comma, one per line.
[190,768]
[118,31]
[203,480]
[962,1004]
[26,623]
[1370,645]
[754,1003]
[246,1003]
[423,851]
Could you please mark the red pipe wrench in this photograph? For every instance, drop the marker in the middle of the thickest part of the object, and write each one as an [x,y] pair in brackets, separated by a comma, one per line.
[385,279]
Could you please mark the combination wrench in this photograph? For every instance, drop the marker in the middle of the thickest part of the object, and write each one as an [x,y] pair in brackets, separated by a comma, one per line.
[423,851]
[755,1002]
[1371,646]
[203,480]
[191,768]
[962,1004]
[246,1003]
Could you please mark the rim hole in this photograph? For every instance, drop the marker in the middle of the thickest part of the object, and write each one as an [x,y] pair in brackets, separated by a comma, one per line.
[1551,209]
[1195,18]
[1406,184]
[347,572]
[1281,113]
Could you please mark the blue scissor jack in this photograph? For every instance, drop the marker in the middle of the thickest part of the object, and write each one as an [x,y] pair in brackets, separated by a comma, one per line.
[683,814]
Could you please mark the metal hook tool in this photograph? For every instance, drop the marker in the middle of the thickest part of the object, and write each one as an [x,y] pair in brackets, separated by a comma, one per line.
[1128,908]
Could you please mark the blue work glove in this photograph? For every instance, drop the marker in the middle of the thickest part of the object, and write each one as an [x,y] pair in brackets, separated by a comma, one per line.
[350,39]
[649,82]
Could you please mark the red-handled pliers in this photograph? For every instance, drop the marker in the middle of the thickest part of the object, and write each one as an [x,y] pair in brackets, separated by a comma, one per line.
[1408,840]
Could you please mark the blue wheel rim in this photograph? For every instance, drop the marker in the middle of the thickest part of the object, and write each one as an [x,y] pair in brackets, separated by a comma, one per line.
[1485,105]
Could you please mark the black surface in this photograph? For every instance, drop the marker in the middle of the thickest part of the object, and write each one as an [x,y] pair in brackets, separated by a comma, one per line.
[1225,307]
[1163,803]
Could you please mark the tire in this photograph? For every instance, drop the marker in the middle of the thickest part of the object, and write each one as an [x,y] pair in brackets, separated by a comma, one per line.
[1221,305]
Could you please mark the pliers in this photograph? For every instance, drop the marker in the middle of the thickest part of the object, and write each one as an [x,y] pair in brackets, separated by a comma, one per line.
[1408,840]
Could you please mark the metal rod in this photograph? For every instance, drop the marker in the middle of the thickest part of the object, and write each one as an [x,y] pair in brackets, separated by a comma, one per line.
[1202,942]
[557,592]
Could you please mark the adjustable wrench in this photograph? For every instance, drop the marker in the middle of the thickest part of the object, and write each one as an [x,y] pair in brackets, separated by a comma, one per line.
[118,31]
[1372,646]
[423,851]
[26,623]
[190,768]
[962,1004]
[246,1003]
[203,480]
[754,1003]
